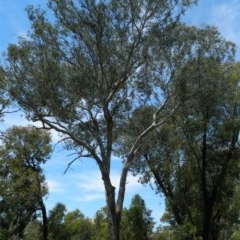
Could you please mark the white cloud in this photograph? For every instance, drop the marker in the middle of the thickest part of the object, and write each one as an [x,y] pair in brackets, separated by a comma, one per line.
[90,182]
[87,197]
[55,186]
[18,119]
[91,187]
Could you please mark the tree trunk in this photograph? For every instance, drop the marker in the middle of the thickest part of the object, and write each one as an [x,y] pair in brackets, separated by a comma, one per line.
[207,206]
[114,224]
[207,222]
[113,216]
[44,219]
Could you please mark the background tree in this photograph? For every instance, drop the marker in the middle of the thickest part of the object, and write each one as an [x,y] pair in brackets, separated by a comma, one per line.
[87,72]
[101,224]
[70,225]
[163,233]
[137,223]
[23,184]
[33,230]
[230,221]
[77,226]
[56,222]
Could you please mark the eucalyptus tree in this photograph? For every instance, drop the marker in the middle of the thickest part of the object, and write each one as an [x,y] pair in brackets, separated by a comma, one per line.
[212,136]
[84,72]
[194,158]
[23,184]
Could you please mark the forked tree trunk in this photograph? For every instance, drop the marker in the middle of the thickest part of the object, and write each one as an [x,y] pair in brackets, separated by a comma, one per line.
[115,206]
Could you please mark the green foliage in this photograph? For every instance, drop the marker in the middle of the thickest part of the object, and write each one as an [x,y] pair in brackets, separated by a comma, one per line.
[69,225]
[91,72]
[101,225]
[163,233]
[235,235]
[194,157]
[137,223]
[23,185]
[33,231]
[4,96]
[77,226]
[55,222]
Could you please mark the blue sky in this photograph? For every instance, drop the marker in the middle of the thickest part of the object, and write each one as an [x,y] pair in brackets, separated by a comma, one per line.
[82,186]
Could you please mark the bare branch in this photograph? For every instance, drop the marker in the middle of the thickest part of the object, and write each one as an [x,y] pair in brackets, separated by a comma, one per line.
[60,128]
[154,125]
[69,164]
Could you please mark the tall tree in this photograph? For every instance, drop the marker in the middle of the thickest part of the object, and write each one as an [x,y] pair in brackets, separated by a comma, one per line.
[194,159]
[87,72]
[22,181]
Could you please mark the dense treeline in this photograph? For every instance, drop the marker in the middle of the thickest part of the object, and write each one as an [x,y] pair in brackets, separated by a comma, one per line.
[137,224]
[74,225]
[127,79]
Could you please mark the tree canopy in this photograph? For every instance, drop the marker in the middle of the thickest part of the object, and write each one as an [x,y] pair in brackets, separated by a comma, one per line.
[194,158]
